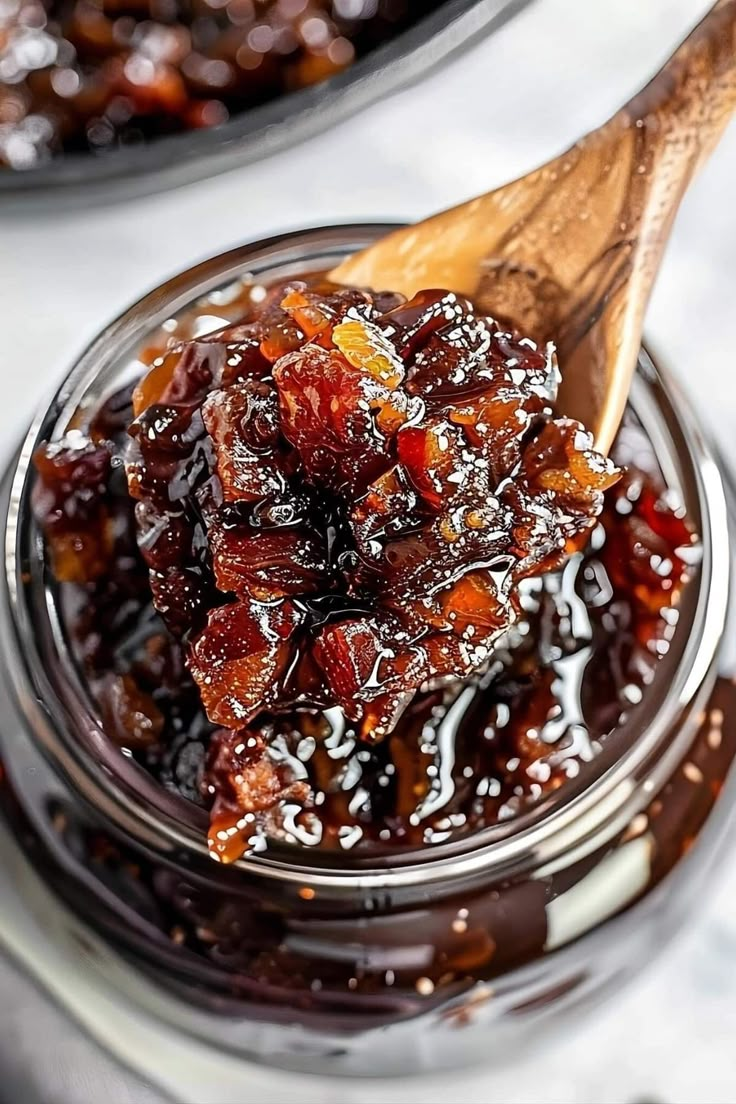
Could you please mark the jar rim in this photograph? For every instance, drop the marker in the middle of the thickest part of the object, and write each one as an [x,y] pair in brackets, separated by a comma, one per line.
[572,817]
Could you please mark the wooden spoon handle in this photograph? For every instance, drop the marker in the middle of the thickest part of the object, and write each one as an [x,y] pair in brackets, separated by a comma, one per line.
[690,101]
[570,251]
[662,136]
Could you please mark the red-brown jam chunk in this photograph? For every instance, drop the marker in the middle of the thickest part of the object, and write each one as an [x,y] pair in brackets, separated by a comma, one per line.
[363,490]
[252,793]
[70,496]
[98,74]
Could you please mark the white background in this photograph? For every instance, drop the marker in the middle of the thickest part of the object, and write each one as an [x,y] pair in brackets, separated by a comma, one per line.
[516,100]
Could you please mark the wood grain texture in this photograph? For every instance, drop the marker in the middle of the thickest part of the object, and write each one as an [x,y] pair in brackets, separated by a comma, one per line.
[570,251]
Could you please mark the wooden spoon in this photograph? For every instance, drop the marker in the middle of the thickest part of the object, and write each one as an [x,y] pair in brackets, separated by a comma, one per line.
[570,251]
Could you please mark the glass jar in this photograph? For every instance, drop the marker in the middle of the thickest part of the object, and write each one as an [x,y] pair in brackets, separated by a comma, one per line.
[426,960]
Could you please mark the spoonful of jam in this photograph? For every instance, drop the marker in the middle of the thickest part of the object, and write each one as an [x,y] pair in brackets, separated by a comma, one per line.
[338,499]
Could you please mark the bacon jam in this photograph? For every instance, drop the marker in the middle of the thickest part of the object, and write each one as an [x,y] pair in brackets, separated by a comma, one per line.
[92,75]
[362,588]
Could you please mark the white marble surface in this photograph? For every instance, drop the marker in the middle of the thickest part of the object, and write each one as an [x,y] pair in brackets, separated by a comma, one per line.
[515,100]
